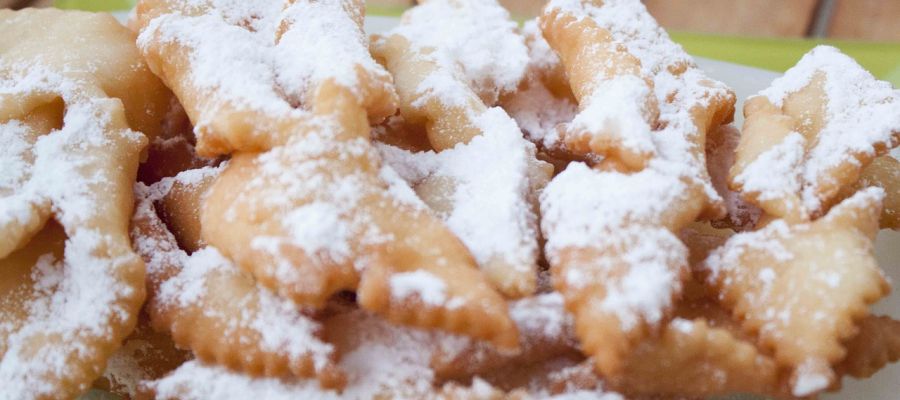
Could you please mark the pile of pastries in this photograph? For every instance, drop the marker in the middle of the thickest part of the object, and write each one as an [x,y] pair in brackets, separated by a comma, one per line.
[255,199]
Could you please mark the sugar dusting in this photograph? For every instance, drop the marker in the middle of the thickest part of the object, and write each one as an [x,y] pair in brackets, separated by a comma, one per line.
[426,286]
[265,56]
[184,281]
[679,86]
[490,182]
[862,114]
[380,358]
[490,189]
[319,200]
[78,299]
[776,172]
[536,109]
[750,265]
[474,38]
[584,208]
[620,214]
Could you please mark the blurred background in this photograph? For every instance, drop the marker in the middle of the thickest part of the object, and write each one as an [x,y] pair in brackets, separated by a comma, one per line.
[877,20]
[769,34]
[840,19]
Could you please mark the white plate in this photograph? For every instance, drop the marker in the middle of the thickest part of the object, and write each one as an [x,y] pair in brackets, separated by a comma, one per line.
[747,81]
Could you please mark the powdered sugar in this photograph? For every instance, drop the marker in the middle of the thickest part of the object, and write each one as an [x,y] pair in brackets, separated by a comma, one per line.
[319,207]
[632,215]
[488,183]
[422,284]
[318,228]
[475,38]
[678,85]
[220,383]
[543,315]
[651,283]
[541,56]
[538,112]
[727,257]
[15,156]
[574,216]
[536,109]
[610,109]
[61,170]
[809,383]
[184,281]
[265,56]
[74,298]
[620,213]
[862,114]
[82,300]
[380,358]
[776,172]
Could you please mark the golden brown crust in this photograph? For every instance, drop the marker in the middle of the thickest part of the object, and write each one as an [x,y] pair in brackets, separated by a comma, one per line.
[773,279]
[72,109]
[222,318]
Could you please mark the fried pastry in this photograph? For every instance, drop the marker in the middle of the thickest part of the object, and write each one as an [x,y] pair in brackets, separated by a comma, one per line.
[801,288]
[441,82]
[544,99]
[345,229]
[720,146]
[883,172]
[178,201]
[384,360]
[248,74]
[680,361]
[303,204]
[623,69]
[145,355]
[702,352]
[444,89]
[210,307]
[173,150]
[221,383]
[812,133]
[614,254]
[70,284]
[875,345]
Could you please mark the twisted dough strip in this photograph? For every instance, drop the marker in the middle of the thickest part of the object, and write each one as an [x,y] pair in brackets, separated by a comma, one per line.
[614,253]
[145,355]
[384,360]
[247,74]
[802,288]
[617,106]
[276,205]
[220,314]
[876,345]
[883,172]
[811,134]
[494,214]
[631,82]
[310,215]
[70,292]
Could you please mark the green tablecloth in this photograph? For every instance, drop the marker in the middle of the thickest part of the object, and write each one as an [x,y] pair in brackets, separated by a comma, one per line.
[882,59]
